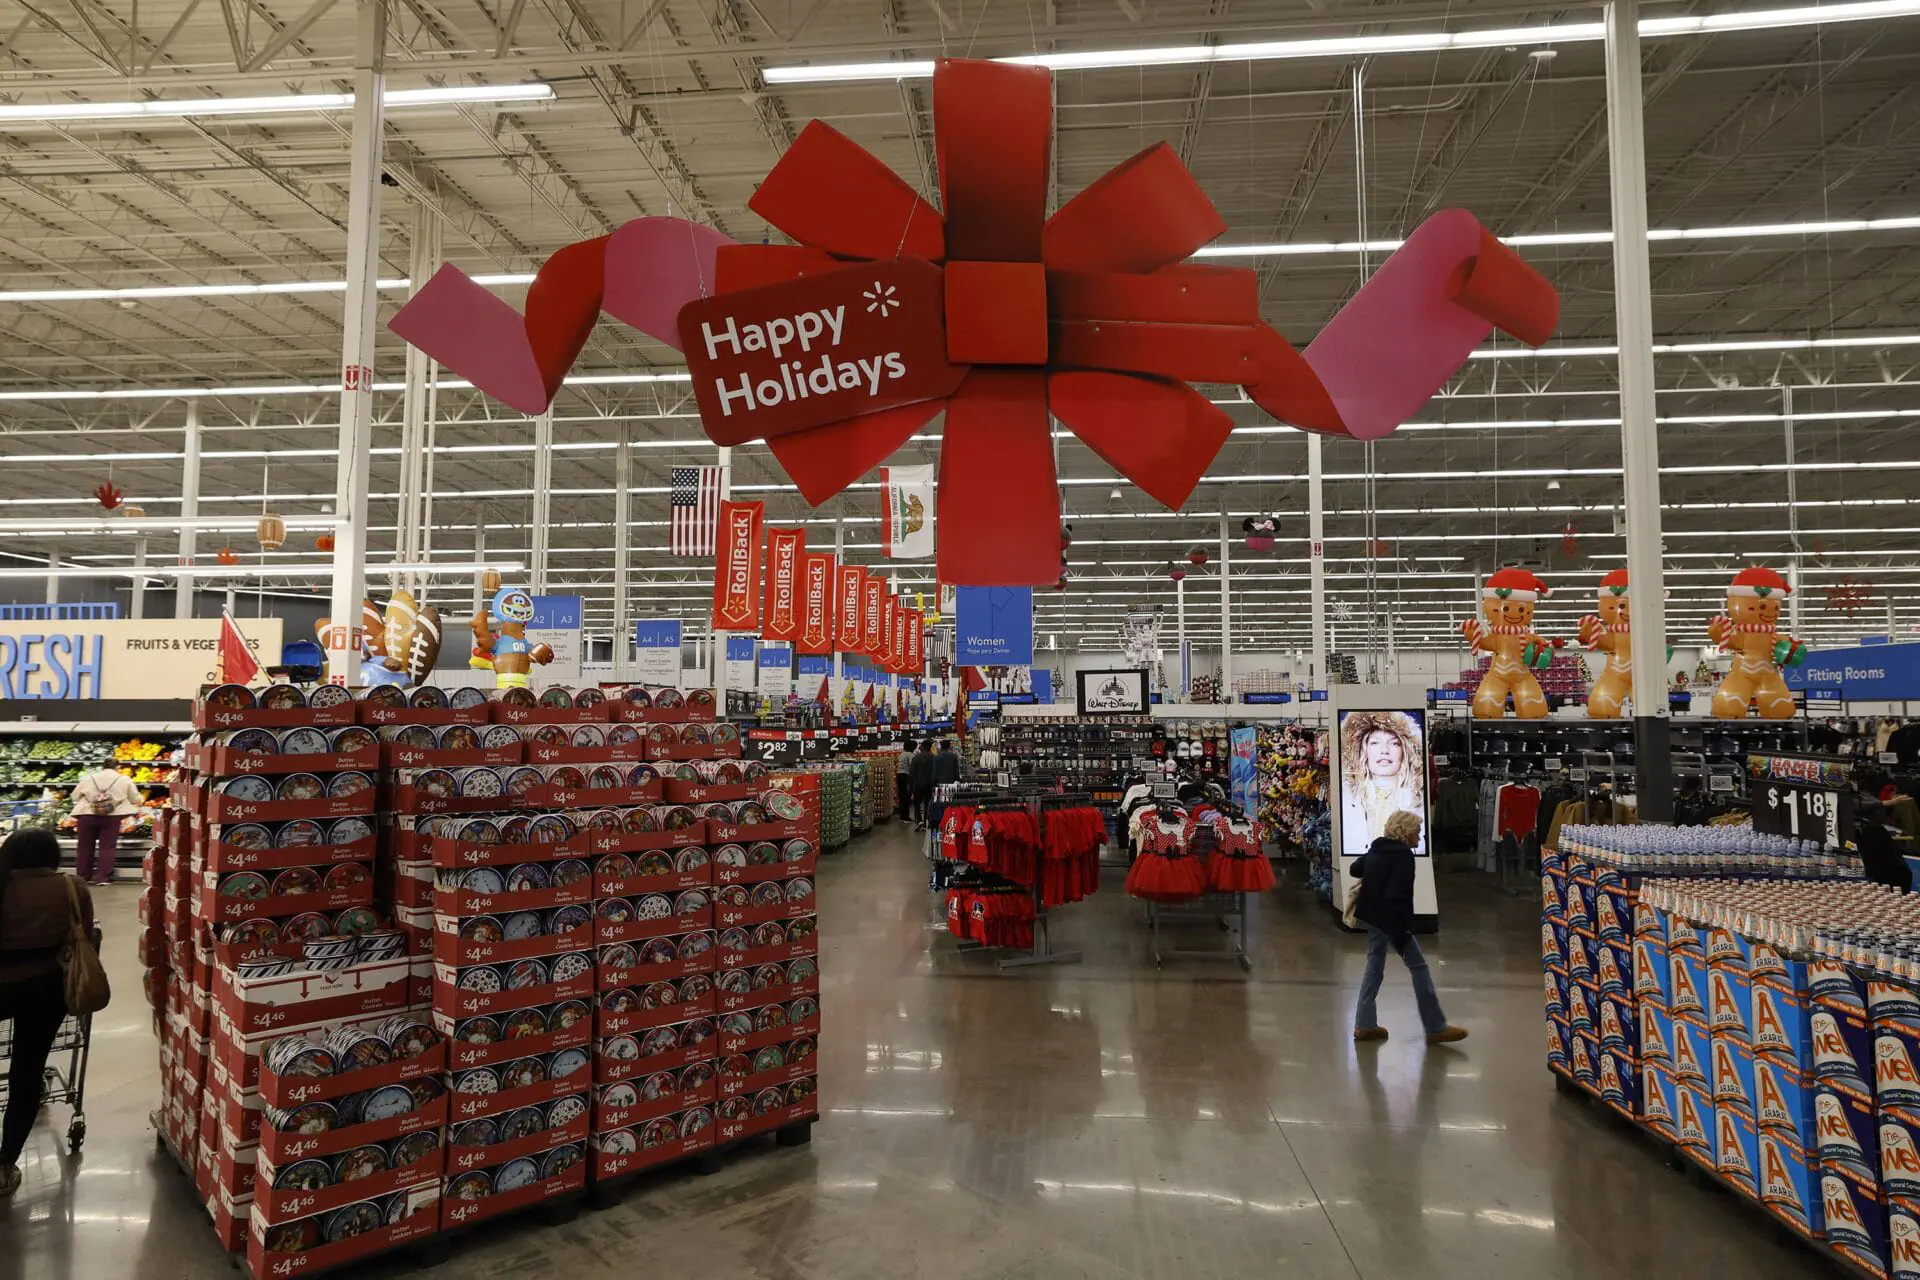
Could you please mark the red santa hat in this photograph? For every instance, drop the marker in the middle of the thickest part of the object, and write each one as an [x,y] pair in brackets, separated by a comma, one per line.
[1514,584]
[1758,581]
[1614,584]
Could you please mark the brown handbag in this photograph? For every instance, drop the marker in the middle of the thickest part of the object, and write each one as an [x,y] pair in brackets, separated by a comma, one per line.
[83,977]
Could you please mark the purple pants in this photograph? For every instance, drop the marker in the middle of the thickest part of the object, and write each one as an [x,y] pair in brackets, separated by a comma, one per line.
[100,830]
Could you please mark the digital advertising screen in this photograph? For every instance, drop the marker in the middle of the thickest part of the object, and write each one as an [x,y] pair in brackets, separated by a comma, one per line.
[1383,768]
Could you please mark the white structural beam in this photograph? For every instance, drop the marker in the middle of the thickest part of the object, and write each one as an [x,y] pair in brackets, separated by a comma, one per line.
[1226,611]
[356,348]
[1317,557]
[622,543]
[542,498]
[1639,446]
[189,508]
[416,410]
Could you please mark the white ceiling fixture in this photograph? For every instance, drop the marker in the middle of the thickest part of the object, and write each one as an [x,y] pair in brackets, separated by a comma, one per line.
[274,105]
[1542,34]
[244,570]
[1763,231]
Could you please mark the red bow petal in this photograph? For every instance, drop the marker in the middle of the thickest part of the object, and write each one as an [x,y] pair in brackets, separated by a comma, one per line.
[1160,435]
[993,137]
[829,192]
[1289,390]
[1500,288]
[563,304]
[1138,216]
[821,461]
[748,266]
[999,506]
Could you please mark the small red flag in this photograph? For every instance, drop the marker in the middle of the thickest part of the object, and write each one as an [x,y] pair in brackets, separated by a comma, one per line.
[237,665]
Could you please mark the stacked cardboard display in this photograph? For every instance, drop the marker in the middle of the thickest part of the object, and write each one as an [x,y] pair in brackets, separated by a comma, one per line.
[370,1039]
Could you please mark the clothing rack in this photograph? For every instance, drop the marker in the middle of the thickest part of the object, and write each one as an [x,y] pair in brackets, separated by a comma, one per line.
[1035,802]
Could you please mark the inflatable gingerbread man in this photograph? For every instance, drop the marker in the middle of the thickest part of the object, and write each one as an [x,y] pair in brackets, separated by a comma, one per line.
[1610,632]
[1749,630]
[1506,604]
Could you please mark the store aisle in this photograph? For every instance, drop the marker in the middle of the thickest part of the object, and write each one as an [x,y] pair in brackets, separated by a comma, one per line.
[1100,1120]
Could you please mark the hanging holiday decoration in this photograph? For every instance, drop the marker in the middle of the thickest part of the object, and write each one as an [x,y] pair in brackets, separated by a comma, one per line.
[1749,631]
[271,531]
[1848,596]
[109,494]
[323,543]
[1196,556]
[1140,637]
[489,581]
[500,639]
[885,312]
[227,555]
[1177,572]
[1569,543]
[1505,631]
[1066,536]
[1260,531]
[1610,632]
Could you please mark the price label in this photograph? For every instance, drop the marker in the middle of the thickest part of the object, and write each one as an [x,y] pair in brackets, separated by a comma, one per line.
[1719,782]
[1553,762]
[1889,757]
[1811,813]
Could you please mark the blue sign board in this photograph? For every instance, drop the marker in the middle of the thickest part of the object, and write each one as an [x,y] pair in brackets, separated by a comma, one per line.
[816,664]
[1316,695]
[1823,695]
[1876,639]
[657,633]
[1043,684]
[993,627]
[740,648]
[1868,673]
[1256,699]
[1445,695]
[776,657]
[555,613]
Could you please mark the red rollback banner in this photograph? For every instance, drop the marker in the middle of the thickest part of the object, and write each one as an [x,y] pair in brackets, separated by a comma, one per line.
[817,574]
[736,567]
[786,552]
[849,590]
[889,625]
[916,643]
[873,608]
[897,651]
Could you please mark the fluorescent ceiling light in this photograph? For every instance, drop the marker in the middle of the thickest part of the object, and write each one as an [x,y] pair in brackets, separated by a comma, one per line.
[150,524]
[277,104]
[1757,231]
[1366,46]
[255,570]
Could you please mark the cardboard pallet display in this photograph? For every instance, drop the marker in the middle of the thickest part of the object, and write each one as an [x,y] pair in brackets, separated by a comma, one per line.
[373,938]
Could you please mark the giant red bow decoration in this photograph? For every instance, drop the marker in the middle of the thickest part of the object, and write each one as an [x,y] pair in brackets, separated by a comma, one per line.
[836,350]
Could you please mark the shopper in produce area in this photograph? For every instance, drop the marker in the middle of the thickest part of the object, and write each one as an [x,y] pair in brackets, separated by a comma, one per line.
[35,912]
[1385,873]
[102,801]
[920,778]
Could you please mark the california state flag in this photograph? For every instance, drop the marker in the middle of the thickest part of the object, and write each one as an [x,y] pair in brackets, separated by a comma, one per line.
[906,509]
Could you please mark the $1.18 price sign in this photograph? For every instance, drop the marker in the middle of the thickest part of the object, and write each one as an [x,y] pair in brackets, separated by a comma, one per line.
[1820,815]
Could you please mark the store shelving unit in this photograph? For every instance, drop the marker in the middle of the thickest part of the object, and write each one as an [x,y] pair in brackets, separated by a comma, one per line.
[28,781]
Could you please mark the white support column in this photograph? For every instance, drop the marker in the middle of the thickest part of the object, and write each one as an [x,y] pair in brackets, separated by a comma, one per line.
[356,348]
[1633,323]
[53,577]
[479,557]
[1317,557]
[1180,660]
[189,508]
[542,497]
[137,597]
[622,538]
[410,537]
[1226,610]
[840,558]
[1793,514]
[719,665]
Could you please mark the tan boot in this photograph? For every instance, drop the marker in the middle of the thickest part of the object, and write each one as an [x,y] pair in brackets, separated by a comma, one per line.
[1447,1035]
[1363,1034]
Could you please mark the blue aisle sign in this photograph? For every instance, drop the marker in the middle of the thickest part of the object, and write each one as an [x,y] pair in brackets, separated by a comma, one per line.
[1270,699]
[776,670]
[1043,684]
[993,627]
[656,651]
[1868,673]
[555,613]
[740,648]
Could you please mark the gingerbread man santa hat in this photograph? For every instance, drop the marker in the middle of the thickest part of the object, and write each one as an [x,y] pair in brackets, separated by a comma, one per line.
[1759,581]
[1613,585]
[1514,584]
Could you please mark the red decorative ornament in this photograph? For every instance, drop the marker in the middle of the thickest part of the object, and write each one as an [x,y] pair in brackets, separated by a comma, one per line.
[1848,596]
[1178,573]
[1196,556]
[323,543]
[228,556]
[886,312]
[1066,536]
[109,494]
[1569,544]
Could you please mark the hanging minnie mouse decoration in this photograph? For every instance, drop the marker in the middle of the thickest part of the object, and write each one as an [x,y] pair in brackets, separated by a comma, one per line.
[1260,531]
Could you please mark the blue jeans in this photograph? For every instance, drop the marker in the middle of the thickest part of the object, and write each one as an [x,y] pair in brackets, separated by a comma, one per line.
[1366,1016]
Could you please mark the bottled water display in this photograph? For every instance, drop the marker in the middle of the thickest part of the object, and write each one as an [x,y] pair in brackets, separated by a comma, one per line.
[1649,850]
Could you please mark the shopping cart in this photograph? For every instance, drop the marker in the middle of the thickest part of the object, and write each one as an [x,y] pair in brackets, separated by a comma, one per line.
[66,1070]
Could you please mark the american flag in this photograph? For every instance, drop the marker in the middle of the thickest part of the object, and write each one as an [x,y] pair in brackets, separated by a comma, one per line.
[695,506]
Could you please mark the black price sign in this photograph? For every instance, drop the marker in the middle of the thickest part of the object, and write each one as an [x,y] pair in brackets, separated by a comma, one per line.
[1798,796]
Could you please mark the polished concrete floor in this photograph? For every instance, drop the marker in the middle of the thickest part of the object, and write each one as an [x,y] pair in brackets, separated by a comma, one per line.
[1105,1120]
